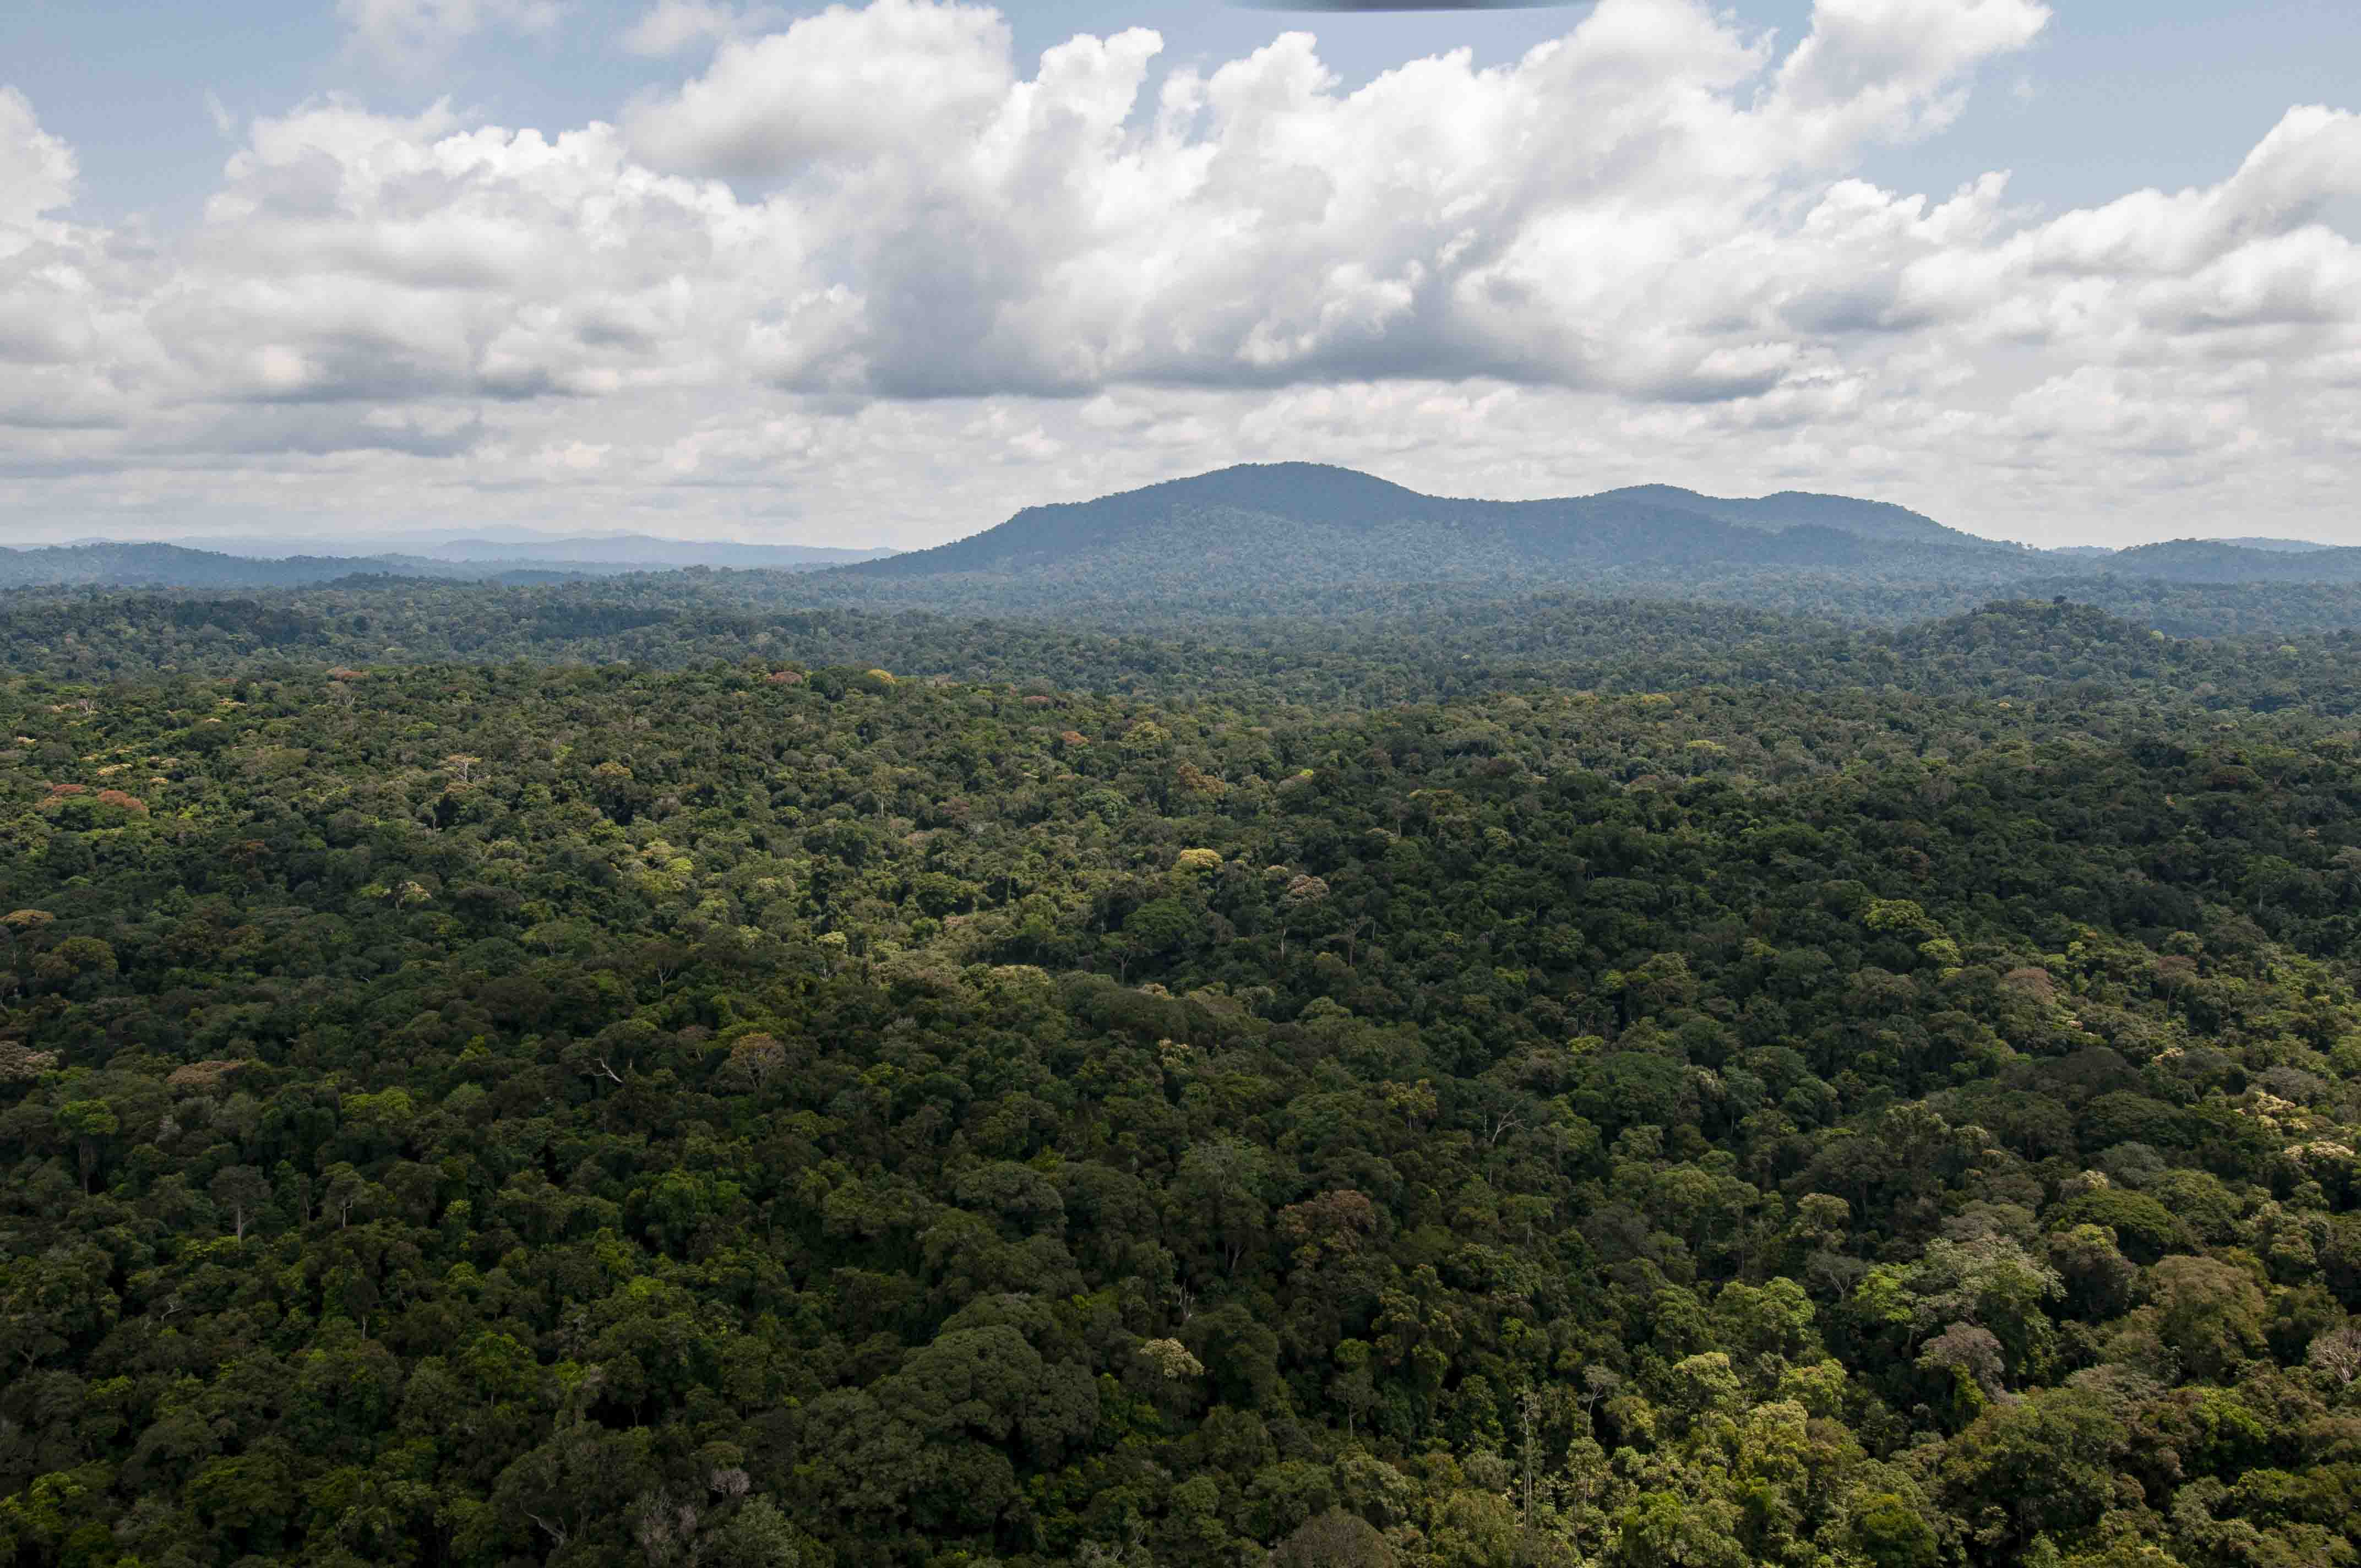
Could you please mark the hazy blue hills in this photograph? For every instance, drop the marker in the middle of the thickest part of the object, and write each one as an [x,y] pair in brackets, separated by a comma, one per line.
[172,566]
[2228,561]
[645,553]
[2269,545]
[106,564]
[2289,546]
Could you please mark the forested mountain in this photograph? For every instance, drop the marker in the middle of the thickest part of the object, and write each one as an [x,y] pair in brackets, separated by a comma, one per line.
[1305,523]
[764,1070]
[1269,531]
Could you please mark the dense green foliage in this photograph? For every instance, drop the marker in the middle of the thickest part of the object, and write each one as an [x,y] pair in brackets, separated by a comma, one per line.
[1546,1083]
[1359,652]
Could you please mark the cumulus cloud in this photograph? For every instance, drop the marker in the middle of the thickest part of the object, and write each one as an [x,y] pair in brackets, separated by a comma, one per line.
[1258,225]
[869,261]
[411,33]
[1892,69]
[901,76]
[675,27]
[36,170]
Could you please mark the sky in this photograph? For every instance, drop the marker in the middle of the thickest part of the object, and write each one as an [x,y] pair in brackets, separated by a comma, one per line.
[2083,273]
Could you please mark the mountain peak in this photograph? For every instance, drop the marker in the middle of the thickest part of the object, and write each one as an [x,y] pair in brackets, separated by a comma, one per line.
[1257,523]
[1305,492]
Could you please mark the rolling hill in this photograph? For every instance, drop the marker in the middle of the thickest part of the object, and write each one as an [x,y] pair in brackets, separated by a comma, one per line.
[1881,520]
[1338,526]
[1266,531]
[1307,524]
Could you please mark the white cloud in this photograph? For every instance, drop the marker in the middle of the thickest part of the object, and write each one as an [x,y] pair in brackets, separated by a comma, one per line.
[675,27]
[1261,225]
[942,288]
[36,170]
[1892,69]
[903,75]
[407,34]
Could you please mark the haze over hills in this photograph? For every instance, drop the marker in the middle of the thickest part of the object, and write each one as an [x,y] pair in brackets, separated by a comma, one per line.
[174,565]
[508,543]
[643,551]
[1265,529]
[2250,542]
[2223,561]
[105,563]
[2291,546]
